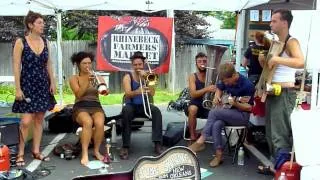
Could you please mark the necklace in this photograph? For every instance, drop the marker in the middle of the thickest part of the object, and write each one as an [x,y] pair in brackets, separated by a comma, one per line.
[35,45]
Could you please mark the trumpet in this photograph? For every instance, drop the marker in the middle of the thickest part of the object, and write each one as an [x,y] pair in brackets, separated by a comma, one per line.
[101,86]
[149,79]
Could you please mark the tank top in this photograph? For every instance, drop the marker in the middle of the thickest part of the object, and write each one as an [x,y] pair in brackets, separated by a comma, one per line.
[284,73]
[134,86]
[199,85]
[91,94]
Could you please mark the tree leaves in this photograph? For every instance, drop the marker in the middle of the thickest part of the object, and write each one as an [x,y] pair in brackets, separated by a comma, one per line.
[228,18]
[83,25]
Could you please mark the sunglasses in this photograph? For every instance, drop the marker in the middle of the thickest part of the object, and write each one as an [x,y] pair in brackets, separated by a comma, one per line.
[202,61]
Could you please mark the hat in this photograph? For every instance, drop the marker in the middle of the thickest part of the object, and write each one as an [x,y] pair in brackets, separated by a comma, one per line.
[137,55]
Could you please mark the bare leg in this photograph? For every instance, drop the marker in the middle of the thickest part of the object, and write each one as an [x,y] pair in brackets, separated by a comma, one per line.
[37,132]
[85,120]
[201,139]
[98,133]
[192,121]
[37,135]
[24,128]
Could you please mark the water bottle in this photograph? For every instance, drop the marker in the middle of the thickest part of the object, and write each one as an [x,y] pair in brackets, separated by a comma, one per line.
[241,157]
[110,150]
[283,176]
[108,146]
[113,133]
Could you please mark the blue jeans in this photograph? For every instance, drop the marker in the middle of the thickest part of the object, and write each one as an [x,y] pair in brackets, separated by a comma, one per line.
[218,118]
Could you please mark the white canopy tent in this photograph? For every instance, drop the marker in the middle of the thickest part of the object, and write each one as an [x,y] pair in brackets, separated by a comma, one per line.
[309,40]
[56,7]
[140,5]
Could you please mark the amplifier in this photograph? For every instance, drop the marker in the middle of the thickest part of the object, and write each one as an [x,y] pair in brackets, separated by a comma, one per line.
[9,128]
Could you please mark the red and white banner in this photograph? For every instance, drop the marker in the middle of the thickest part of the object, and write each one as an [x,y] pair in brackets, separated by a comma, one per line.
[120,37]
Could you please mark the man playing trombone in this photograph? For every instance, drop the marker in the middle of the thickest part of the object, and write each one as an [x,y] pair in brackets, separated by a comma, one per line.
[197,91]
[137,103]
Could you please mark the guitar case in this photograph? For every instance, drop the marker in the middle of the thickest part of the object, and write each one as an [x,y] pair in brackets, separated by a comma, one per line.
[178,162]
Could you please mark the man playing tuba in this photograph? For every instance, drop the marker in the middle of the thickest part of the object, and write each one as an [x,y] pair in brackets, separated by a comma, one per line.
[197,90]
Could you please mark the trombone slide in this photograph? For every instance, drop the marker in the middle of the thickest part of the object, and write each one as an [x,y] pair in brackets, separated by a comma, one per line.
[145,100]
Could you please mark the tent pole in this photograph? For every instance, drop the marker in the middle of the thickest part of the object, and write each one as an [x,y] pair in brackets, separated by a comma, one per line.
[239,37]
[59,54]
[172,70]
[314,91]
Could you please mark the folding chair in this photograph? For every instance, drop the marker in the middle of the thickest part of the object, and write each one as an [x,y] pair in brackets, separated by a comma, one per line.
[241,133]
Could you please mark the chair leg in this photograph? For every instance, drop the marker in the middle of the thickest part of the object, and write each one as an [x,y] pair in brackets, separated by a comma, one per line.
[241,134]
[235,153]
[228,140]
[185,131]
[238,145]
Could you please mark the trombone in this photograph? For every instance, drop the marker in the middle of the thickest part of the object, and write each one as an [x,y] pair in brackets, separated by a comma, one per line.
[150,79]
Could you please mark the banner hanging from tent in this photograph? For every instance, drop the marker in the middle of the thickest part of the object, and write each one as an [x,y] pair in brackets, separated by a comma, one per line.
[120,37]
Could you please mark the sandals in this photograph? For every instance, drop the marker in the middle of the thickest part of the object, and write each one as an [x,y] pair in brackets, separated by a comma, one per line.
[265,170]
[40,156]
[20,160]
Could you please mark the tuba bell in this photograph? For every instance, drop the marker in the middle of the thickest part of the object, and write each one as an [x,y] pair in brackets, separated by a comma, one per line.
[101,87]
[215,54]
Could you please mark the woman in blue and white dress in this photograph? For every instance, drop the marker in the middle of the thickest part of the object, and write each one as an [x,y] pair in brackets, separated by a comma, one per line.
[34,83]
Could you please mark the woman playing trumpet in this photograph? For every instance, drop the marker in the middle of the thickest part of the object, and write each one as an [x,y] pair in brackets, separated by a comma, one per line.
[87,110]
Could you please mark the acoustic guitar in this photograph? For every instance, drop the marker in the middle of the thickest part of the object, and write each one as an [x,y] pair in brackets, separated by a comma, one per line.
[225,99]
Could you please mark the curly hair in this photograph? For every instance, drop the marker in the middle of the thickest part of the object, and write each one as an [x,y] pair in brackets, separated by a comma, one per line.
[137,55]
[76,58]
[30,18]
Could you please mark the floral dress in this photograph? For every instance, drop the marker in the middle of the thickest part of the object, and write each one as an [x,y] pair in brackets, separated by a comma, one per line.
[34,81]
